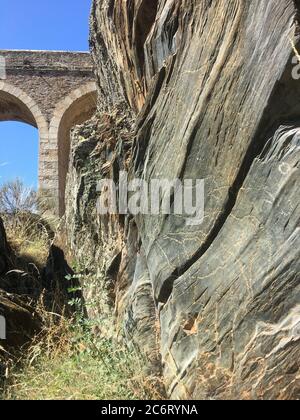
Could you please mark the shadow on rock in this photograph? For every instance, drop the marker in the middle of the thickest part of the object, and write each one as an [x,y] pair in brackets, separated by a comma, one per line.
[61,284]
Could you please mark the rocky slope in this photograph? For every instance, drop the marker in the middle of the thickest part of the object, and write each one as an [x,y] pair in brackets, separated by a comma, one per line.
[200,90]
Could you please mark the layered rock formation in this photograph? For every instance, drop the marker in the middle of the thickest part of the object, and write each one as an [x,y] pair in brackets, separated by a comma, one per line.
[199,90]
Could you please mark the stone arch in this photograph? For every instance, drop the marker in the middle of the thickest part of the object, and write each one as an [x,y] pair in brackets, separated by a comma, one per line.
[74,109]
[17,105]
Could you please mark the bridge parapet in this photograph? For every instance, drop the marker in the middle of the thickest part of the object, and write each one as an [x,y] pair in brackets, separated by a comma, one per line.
[45,61]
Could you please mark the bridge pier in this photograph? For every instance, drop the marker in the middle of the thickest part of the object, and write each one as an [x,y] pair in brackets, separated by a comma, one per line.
[48,179]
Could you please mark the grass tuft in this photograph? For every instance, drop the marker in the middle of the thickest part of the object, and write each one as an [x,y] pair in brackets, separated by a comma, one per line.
[67,361]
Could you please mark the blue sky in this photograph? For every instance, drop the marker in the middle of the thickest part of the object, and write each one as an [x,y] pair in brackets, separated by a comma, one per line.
[36,25]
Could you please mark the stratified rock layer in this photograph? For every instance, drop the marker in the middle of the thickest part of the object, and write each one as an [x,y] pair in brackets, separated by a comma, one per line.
[200,90]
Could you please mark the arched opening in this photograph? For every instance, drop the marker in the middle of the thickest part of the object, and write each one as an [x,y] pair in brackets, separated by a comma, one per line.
[18,138]
[54,139]
[19,153]
[13,109]
[16,105]
[77,108]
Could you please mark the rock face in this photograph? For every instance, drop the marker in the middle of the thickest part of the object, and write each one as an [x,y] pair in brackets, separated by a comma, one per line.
[19,321]
[4,250]
[199,90]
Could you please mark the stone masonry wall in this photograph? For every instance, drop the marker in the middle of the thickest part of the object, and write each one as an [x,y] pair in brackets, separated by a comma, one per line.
[48,76]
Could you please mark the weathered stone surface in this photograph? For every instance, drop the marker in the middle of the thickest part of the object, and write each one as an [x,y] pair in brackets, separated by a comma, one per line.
[209,87]
[47,76]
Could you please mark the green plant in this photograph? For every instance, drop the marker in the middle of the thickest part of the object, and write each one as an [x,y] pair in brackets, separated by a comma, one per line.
[68,361]
[76,359]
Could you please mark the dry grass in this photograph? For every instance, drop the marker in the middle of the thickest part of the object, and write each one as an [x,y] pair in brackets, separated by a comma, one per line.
[29,236]
[68,362]
[28,219]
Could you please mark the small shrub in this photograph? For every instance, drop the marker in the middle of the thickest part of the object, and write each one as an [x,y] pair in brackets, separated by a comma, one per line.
[28,232]
[68,362]
[15,197]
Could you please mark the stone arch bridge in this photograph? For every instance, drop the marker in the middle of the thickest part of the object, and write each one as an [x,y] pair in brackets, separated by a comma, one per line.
[52,91]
